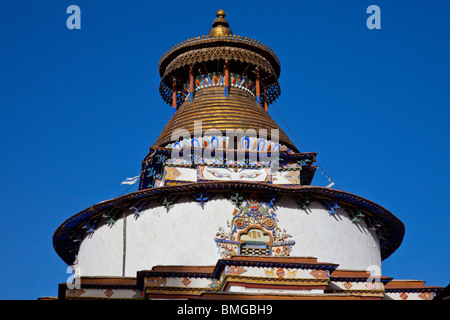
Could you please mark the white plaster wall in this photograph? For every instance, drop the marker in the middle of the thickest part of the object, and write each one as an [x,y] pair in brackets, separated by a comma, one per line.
[185,236]
[333,239]
[101,252]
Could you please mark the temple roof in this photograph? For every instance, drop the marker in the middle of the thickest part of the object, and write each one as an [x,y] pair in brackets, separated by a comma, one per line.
[207,53]
[200,68]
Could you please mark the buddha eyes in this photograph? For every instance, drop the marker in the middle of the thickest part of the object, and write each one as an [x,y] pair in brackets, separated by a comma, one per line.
[226,175]
[220,175]
[249,175]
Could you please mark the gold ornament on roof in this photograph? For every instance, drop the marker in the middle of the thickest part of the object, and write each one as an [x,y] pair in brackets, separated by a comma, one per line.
[220,26]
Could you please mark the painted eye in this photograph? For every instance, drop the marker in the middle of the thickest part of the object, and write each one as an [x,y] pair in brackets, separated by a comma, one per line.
[249,175]
[220,175]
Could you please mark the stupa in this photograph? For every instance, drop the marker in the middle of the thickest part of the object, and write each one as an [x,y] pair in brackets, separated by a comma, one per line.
[226,208]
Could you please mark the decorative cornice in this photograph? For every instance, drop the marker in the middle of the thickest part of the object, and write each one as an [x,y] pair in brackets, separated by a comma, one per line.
[67,249]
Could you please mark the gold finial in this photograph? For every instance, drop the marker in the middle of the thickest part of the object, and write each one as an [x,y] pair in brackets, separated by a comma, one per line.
[220,13]
[220,26]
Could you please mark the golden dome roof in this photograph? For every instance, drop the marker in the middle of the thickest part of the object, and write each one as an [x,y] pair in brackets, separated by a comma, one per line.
[238,110]
[216,112]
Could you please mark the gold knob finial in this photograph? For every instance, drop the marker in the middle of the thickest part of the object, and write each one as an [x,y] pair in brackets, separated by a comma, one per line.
[220,13]
[220,26]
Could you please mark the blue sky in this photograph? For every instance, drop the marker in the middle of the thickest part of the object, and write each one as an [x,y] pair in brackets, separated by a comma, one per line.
[80,108]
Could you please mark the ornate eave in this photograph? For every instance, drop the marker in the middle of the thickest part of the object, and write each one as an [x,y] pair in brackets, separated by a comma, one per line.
[154,161]
[204,49]
[243,261]
[245,55]
[68,236]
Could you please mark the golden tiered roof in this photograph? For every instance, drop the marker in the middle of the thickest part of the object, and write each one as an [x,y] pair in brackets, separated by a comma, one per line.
[208,54]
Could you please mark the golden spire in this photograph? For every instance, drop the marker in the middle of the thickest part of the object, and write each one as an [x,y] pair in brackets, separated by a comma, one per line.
[220,26]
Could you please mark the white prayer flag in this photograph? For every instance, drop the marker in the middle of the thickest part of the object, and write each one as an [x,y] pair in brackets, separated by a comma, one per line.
[330,185]
[130,181]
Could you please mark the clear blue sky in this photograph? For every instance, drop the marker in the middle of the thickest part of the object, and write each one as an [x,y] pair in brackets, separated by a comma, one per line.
[80,108]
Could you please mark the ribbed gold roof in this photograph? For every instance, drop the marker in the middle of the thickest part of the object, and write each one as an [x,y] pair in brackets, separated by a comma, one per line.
[237,111]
